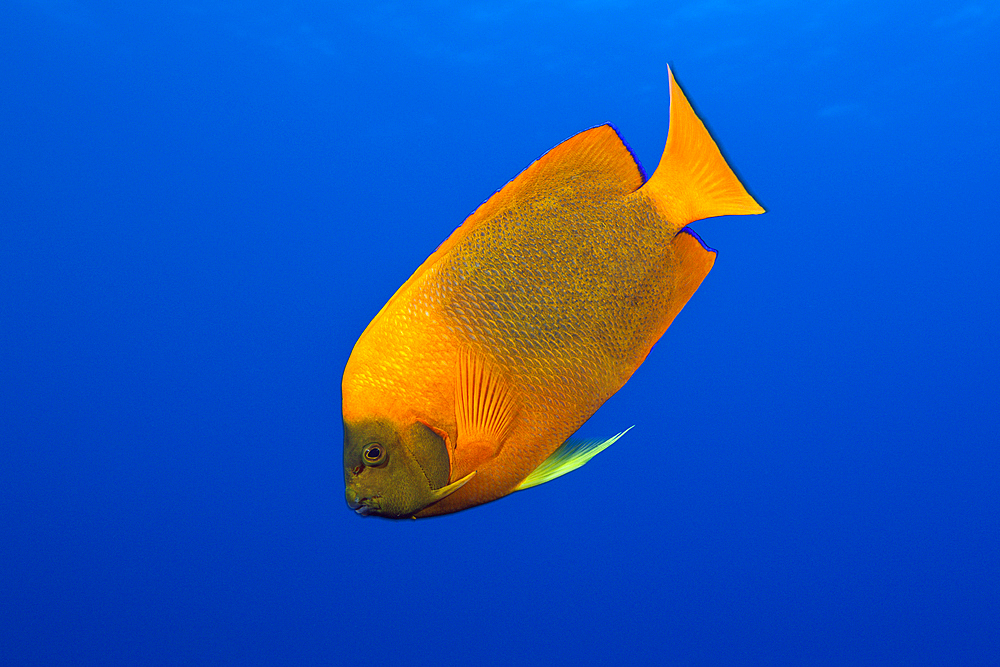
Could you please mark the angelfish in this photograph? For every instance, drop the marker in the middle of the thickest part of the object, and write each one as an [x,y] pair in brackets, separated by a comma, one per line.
[469,382]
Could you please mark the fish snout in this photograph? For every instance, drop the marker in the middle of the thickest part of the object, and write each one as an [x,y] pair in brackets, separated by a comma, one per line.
[356,502]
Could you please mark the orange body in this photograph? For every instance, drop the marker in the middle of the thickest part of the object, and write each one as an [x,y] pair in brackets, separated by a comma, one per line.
[543,303]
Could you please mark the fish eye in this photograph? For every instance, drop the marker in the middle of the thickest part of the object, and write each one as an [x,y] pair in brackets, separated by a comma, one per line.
[373,454]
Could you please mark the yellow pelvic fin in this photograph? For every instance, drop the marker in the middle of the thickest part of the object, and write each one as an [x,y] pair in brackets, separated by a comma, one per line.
[693,180]
[484,409]
[571,455]
[444,491]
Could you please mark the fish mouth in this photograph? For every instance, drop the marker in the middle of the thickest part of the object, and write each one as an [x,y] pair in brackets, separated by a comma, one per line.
[361,506]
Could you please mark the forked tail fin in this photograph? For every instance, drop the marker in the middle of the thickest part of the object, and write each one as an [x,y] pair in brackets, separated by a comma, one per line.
[693,180]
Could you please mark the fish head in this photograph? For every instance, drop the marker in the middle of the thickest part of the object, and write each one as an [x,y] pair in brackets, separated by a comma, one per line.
[395,471]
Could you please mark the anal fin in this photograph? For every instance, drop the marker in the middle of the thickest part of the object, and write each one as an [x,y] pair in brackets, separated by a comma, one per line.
[693,262]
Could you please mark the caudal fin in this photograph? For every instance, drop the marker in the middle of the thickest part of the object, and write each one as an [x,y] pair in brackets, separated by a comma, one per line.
[693,180]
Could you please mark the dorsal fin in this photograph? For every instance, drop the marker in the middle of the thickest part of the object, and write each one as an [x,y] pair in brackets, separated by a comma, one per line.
[484,410]
[594,158]
[694,261]
[693,180]
[571,455]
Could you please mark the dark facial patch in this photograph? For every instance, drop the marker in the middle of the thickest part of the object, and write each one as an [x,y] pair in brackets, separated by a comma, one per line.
[392,472]
[430,452]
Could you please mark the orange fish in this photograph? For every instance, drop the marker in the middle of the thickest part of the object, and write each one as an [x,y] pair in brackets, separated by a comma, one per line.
[470,381]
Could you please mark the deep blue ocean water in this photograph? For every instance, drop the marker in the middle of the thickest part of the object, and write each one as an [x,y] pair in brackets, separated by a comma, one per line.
[203,204]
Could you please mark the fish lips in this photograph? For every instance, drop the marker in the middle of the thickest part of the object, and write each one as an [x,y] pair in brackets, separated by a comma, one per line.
[361,506]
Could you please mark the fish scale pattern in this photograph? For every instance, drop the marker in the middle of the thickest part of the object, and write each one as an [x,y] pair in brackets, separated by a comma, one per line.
[566,299]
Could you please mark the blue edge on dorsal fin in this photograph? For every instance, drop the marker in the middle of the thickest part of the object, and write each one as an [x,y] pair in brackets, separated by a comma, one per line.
[638,165]
[635,158]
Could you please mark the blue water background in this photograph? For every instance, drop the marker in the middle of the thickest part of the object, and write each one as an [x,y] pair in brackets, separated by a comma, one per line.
[202,204]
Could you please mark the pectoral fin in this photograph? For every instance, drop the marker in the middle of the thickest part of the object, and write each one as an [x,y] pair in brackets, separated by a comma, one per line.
[571,455]
[485,411]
